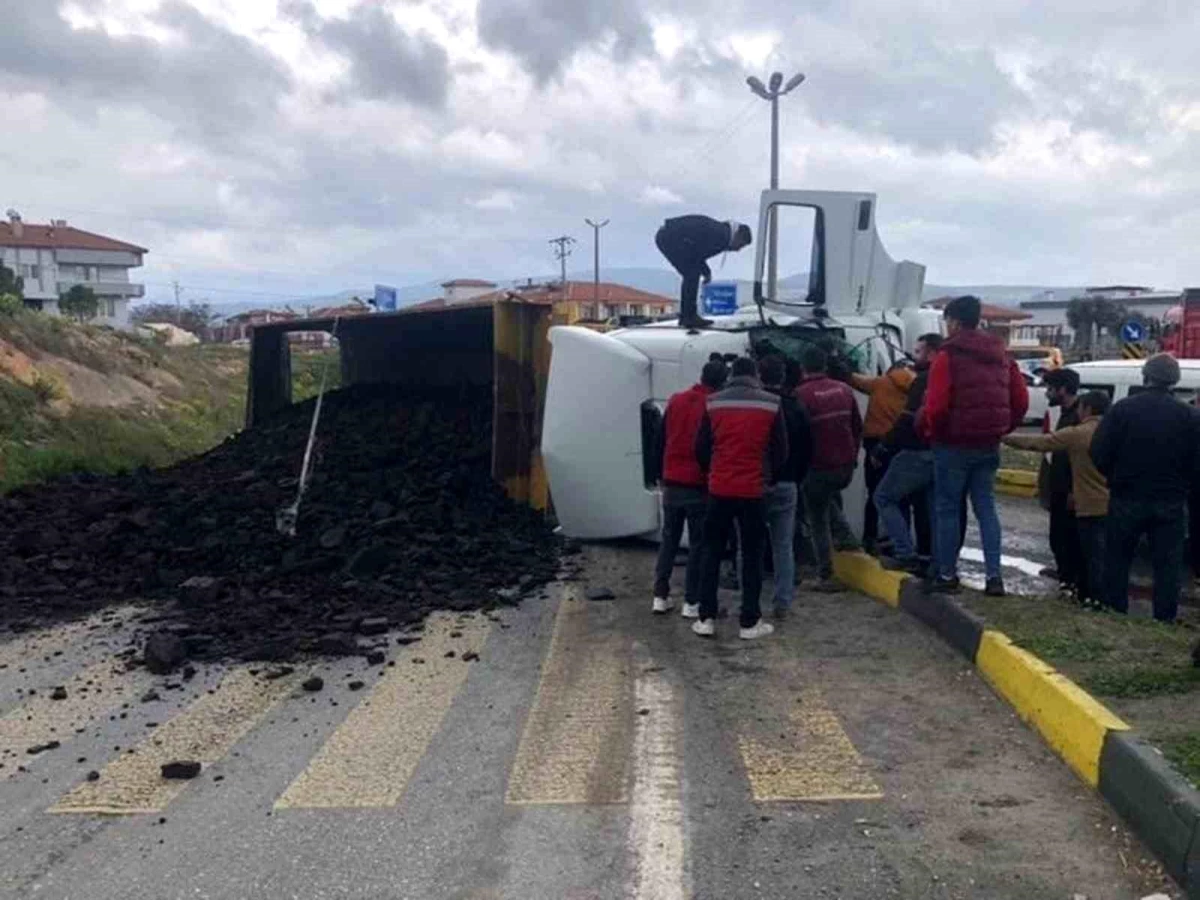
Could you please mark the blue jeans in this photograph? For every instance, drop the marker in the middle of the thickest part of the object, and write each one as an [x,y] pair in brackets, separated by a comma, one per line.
[956,470]
[909,473]
[780,499]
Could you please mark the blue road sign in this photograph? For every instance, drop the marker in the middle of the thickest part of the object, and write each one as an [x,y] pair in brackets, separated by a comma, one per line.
[385,298]
[720,298]
[1133,332]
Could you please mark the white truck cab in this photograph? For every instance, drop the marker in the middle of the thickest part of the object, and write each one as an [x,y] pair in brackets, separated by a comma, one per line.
[606,391]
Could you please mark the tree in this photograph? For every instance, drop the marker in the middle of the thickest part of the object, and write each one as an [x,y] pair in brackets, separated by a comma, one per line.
[80,301]
[195,317]
[1090,317]
[12,291]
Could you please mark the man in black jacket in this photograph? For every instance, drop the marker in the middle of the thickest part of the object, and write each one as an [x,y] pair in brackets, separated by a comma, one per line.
[1148,448]
[1054,481]
[688,242]
[781,497]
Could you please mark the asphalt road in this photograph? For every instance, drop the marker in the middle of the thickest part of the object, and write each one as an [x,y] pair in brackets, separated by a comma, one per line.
[592,751]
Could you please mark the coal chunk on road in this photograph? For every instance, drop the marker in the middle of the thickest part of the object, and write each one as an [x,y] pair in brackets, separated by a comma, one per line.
[601,593]
[181,770]
[59,693]
[200,538]
[376,658]
[313,684]
[164,652]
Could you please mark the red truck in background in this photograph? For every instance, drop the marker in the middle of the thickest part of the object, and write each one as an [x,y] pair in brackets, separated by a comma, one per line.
[1181,334]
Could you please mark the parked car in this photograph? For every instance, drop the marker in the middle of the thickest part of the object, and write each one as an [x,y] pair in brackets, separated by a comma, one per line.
[1038,404]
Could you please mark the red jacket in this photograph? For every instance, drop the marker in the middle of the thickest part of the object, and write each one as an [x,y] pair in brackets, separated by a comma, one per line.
[837,424]
[681,424]
[743,440]
[976,394]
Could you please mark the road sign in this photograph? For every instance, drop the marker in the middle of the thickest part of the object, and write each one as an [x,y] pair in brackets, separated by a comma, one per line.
[720,298]
[385,298]
[1132,332]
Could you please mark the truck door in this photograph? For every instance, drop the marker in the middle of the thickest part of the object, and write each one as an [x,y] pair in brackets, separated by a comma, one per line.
[592,441]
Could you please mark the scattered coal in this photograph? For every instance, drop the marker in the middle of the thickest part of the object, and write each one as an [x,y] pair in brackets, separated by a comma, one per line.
[181,770]
[401,518]
[313,684]
[59,693]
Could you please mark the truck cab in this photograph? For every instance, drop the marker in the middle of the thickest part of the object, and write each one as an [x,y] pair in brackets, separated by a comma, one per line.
[606,392]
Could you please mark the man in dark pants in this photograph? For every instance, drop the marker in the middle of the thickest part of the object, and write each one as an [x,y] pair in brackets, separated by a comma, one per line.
[837,436]
[685,494]
[742,444]
[1148,448]
[688,242]
[1062,388]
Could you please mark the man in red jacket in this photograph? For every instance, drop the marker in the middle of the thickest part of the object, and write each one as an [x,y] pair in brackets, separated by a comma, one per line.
[685,493]
[837,429]
[975,396]
[743,445]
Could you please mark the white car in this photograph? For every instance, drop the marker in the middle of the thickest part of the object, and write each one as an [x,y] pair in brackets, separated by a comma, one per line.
[1038,404]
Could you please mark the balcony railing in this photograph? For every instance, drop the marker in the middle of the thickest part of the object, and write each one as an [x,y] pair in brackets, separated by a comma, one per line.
[106,288]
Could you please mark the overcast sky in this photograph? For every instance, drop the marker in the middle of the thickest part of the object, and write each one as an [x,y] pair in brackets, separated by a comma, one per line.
[306,146]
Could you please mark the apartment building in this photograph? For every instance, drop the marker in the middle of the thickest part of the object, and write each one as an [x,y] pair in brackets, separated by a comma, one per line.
[54,258]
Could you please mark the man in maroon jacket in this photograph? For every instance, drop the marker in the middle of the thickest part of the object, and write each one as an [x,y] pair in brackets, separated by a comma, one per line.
[837,435]
[685,493]
[975,396]
[742,444]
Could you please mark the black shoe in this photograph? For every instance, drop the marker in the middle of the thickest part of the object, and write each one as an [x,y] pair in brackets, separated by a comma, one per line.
[945,585]
[995,588]
[1049,572]
[910,564]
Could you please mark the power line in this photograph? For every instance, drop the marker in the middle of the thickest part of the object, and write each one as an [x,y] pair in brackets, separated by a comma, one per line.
[562,250]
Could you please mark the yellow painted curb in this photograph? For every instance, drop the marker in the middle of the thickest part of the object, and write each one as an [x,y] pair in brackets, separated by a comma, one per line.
[865,574]
[1016,482]
[1070,719]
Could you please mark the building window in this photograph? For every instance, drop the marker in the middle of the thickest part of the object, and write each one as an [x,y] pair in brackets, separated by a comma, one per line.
[34,272]
[636,309]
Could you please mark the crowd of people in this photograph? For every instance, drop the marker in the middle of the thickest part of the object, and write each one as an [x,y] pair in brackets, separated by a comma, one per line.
[757,448]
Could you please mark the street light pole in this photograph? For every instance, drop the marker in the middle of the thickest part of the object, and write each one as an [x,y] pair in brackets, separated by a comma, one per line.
[596,226]
[772,93]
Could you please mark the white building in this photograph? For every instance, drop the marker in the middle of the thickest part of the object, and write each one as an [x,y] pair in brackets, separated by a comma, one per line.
[1049,327]
[461,289]
[54,258]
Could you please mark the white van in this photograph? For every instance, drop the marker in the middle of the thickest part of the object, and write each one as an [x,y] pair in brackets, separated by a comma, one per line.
[1121,377]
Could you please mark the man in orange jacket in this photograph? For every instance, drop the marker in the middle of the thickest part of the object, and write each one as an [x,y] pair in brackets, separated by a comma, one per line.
[887,395]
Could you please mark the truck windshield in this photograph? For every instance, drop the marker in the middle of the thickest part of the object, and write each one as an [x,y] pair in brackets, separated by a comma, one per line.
[791,341]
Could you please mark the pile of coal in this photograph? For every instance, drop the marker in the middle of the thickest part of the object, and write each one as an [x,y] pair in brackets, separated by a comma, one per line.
[401,518]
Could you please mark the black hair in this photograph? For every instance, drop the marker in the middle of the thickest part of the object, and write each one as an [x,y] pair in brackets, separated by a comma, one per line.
[743,366]
[1063,378]
[771,370]
[1097,401]
[932,341]
[743,232]
[965,310]
[814,359]
[714,374]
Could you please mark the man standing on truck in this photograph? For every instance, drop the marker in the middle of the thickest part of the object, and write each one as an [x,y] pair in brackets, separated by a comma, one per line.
[1089,490]
[975,396]
[1054,483]
[1148,447]
[781,497]
[688,242]
[742,445]
[685,494]
[837,434]
[887,396]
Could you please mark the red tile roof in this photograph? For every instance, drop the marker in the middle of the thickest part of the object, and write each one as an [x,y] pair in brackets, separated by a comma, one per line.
[62,237]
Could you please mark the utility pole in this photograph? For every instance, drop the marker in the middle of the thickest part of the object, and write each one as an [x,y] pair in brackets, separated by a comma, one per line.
[596,226]
[772,93]
[562,249]
[178,305]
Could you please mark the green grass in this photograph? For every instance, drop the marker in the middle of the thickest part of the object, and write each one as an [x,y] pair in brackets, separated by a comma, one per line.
[307,367]
[1183,750]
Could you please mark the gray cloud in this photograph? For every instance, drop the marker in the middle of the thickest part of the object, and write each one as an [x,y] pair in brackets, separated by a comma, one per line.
[211,83]
[387,63]
[546,34]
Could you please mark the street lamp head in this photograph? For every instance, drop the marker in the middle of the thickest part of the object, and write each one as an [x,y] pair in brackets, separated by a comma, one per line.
[758,87]
[794,82]
[776,81]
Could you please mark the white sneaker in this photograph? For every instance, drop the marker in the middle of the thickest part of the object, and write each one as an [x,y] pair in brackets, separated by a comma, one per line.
[762,629]
[663,605]
[705,627]
[691,610]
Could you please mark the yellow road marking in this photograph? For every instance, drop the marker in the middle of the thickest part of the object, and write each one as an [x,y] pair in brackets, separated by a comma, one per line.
[1069,718]
[369,759]
[804,755]
[40,720]
[577,738]
[204,732]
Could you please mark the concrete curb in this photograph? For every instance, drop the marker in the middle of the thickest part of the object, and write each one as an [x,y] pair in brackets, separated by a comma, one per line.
[1157,803]
[1016,482]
